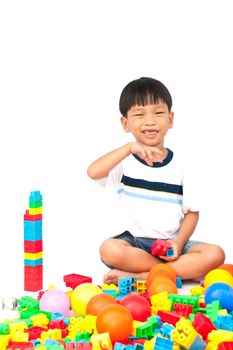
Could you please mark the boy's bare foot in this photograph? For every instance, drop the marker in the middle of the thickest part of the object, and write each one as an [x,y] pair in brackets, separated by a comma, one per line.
[112,276]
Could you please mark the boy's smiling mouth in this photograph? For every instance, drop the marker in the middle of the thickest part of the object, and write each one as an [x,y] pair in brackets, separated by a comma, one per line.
[150,132]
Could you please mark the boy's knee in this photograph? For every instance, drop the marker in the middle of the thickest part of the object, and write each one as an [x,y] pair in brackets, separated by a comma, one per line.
[110,252]
[106,250]
[217,255]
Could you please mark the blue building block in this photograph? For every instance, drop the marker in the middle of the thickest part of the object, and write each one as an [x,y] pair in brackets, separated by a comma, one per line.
[35,196]
[125,285]
[166,329]
[32,230]
[170,252]
[163,344]
[224,322]
[198,344]
[34,225]
[36,262]
[35,342]
[179,282]
[49,342]
[119,346]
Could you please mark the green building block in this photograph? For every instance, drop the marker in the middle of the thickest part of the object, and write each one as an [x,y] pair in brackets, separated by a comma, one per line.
[213,309]
[34,205]
[4,328]
[28,302]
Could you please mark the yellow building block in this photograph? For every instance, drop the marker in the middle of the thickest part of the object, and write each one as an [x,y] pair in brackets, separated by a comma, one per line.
[54,334]
[33,256]
[39,320]
[135,325]
[35,211]
[90,324]
[20,336]
[149,344]
[77,325]
[103,340]
[222,312]
[72,335]
[184,334]
[197,290]
[4,340]
[160,301]
[17,326]
[220,335]
[141,286]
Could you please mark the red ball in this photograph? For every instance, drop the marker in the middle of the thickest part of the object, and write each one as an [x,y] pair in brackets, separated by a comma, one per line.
[98,301]
[117,320]
[138,306]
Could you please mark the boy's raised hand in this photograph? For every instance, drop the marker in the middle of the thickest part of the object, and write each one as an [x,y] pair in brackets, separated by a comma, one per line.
[149,154]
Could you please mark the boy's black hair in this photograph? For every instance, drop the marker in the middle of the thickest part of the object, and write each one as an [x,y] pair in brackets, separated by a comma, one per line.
[143,91]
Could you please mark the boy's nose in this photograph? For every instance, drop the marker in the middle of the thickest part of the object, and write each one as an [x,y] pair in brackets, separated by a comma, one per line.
[150,120]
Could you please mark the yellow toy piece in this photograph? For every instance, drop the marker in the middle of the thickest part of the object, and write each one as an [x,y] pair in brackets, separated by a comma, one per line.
[54,334]
[33,256]
[39,320]
[218,275]
[141,286]
[160,301]
[136,324]
[81,295]
[184,334]
[103,340]
[220,335]
[197,290]
[35,211]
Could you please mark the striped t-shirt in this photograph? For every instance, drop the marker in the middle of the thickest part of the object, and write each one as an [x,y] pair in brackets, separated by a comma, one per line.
[154,198]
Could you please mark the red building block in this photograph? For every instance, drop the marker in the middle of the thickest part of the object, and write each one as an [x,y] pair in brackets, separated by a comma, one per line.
[19,345]
[73,280]
[160,247]
[33,278]
[29,217]
[33,285]
[182,309]
[203,325]
[226,345]
[169,317]
[34,332]
[33,246]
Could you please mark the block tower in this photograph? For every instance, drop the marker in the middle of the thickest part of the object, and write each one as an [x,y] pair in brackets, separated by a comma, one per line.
[33,244]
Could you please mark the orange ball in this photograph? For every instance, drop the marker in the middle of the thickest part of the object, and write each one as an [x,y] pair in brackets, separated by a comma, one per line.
[97,302]
[117,320]
[227,267]
[162,284]
[161,270]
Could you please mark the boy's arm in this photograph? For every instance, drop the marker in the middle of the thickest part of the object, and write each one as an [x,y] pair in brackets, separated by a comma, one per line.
[102,166]
[187,228]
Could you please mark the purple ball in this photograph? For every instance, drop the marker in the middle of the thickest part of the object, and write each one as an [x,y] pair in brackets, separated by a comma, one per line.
[222,292]
[55,300]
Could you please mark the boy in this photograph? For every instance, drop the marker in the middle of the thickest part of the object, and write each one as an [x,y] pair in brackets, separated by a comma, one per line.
[153,190]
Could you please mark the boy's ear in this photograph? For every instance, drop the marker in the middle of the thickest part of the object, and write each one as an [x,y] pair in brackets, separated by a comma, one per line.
[171,119]
[124,122]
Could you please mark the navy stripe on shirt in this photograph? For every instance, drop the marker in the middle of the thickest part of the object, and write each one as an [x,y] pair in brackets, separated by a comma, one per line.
[153,186]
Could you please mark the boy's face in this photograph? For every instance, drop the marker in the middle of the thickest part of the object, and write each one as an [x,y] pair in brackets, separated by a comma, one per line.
[149,124]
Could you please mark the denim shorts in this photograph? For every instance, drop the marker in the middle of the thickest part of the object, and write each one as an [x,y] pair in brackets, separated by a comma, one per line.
[146,243]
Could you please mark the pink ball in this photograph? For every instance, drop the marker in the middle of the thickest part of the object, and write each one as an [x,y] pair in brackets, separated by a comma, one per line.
[55,300]
[138,306]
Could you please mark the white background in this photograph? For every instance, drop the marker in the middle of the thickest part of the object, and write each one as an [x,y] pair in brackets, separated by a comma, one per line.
[63,65]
